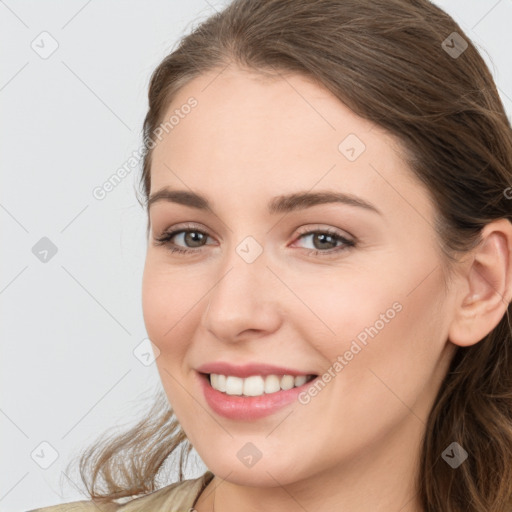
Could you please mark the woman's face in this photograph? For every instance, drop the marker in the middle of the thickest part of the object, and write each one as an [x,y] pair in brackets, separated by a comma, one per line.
[368,313]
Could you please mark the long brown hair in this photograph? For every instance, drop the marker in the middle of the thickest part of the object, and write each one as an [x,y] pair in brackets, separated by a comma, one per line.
[398,64]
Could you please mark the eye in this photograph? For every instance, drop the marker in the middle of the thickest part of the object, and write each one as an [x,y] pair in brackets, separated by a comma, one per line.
[328,236]
[191,236]
[195,237]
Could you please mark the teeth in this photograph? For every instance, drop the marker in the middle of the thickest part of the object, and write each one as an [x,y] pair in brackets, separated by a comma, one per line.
[255,385]
[272,383]
[234,385]
[218,382]
[287,382]
[252,386]
[300,380]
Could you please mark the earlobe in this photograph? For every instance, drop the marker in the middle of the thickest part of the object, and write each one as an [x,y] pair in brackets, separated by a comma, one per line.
[486,287]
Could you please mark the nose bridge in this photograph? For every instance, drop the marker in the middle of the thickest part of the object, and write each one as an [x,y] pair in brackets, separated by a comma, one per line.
[243,296]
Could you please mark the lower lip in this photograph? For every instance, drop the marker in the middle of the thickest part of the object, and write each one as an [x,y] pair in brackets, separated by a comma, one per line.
[238,407]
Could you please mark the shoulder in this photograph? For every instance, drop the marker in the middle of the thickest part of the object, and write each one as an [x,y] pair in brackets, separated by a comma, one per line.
[79,506]
[179,496]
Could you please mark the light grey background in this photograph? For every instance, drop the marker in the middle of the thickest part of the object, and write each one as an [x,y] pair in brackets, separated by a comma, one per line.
[70,325]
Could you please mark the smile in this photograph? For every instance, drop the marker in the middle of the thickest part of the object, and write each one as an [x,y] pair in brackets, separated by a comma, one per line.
[256,385]
[239,406]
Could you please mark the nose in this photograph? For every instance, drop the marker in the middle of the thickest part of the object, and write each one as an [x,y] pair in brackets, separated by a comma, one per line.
[244,301]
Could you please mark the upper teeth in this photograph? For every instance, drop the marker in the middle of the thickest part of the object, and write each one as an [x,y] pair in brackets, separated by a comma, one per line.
[255,384]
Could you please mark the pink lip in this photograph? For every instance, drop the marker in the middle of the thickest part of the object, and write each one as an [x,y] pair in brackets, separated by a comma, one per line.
[247,370]
[248,407]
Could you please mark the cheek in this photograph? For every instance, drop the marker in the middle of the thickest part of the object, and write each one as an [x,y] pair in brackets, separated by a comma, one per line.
[160,304]
[398,360]
[386,308]
[171,300]
[168,311]
[384,324]
[352,304]
[152,310]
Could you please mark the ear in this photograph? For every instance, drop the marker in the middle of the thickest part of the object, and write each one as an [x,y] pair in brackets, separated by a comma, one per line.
[486,286]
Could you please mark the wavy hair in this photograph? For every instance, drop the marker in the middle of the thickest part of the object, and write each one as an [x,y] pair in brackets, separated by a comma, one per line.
[390,62]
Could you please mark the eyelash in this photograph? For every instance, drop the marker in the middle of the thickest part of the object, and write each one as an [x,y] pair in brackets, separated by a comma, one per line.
[165,238]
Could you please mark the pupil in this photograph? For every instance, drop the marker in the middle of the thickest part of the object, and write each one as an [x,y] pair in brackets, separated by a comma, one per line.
[323,237]
[193,235]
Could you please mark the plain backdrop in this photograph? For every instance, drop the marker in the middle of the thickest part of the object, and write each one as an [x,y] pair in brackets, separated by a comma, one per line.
[73,95]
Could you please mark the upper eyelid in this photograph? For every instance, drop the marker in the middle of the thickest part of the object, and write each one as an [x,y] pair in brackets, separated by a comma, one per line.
[179,229]
[302,230]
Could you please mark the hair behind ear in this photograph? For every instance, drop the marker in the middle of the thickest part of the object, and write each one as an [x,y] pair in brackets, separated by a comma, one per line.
[474,409]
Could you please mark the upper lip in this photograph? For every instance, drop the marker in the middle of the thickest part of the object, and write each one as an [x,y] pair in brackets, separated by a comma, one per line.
[225,368]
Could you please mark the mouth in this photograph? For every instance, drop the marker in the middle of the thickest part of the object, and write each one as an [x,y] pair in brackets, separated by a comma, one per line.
[255,385]
[253,397]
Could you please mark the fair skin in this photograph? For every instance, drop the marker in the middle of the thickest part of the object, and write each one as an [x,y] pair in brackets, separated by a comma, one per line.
[355,446]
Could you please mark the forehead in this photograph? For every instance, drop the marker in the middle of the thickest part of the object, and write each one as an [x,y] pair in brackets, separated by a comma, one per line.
[246,111]
[249,134]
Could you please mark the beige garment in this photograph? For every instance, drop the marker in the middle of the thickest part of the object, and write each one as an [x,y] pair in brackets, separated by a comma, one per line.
[176,497]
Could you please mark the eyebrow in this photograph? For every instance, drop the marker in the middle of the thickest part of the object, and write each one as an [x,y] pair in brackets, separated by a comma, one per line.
[279,204]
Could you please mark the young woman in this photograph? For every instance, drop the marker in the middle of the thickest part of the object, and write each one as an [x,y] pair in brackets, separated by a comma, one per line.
[329,268]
